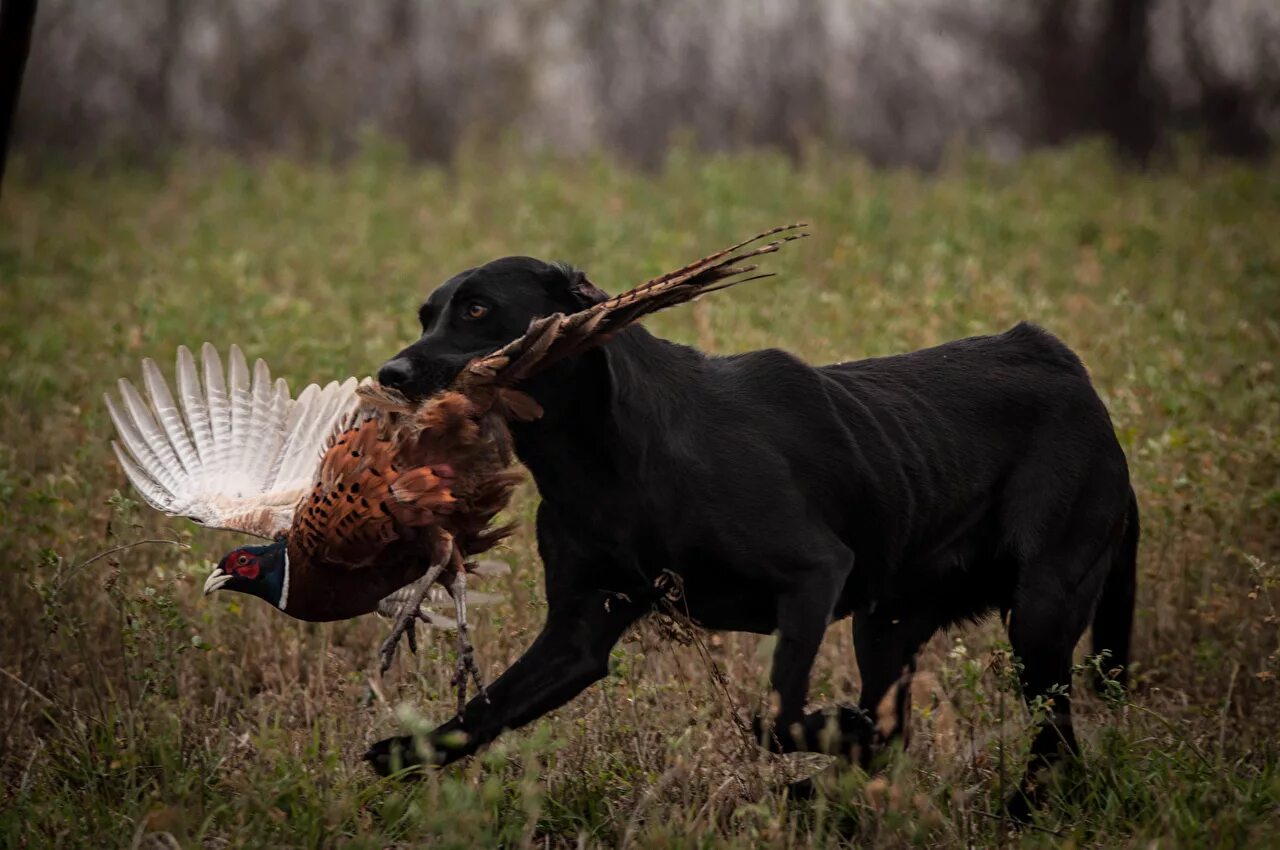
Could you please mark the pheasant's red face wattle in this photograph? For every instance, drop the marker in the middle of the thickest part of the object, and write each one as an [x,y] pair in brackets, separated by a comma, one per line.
[244,564]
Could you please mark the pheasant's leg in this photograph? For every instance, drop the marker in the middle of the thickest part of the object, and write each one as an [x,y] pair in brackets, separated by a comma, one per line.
[467,666]
[408,615]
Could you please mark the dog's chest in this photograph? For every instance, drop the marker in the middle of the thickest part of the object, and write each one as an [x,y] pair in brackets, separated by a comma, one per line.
[737,606]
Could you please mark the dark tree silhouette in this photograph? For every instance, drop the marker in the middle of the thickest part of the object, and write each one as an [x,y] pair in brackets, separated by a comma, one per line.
[1080,79]
[1127,109]
[16,20]
[1227,108]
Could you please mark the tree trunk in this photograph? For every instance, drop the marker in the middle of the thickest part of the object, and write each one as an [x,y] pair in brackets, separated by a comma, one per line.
[16,20]
[1127,109]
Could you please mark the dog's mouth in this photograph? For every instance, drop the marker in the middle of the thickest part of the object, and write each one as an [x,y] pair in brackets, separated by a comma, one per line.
[417,380]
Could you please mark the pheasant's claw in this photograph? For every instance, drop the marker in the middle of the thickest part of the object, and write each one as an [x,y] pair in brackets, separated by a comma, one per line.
[403,627]
[411,636]
[467,670]
[406,618]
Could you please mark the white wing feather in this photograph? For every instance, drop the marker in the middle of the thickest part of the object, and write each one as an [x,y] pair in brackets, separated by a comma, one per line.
[238,389]
[193,406]
[170,415]
[215,388]
[236,451]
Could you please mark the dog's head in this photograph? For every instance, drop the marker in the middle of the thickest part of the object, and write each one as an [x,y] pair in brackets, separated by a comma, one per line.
[477,312]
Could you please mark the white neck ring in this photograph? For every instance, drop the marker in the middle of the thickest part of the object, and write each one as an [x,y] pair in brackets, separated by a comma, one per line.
[284,591]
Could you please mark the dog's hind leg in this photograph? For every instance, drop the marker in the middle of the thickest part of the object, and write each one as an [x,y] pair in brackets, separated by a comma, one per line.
[1050,613]
[1113,616]
[886,643]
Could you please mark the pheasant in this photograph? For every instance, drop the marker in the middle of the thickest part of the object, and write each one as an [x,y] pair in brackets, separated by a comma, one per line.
[239,453]
[369,500]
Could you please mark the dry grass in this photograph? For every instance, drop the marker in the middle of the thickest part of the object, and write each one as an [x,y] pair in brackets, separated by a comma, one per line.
[136,712]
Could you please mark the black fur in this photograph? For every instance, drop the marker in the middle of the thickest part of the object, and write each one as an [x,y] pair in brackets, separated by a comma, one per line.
[912,492]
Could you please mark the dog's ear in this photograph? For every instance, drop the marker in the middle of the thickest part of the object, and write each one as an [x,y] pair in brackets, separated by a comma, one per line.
[570,286]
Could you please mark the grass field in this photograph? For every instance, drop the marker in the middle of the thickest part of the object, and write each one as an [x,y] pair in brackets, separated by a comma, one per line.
[136,713]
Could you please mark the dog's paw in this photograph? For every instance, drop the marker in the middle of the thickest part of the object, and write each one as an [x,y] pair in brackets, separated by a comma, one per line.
[841,731]
[764,733]
[395,756]
[802,790]
[1023,803]
[775,738]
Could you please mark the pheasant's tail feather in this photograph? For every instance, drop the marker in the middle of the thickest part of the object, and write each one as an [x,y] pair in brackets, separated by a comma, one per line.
[229,444]
[713,272]
[488,568]
[480,538]
[717,259]
[391,604]
[493,535]
[555,337]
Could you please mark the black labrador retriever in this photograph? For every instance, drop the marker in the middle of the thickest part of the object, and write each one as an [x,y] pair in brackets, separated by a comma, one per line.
[913,492]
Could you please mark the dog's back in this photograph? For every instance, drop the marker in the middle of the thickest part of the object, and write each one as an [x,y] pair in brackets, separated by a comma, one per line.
[980,449]
[930,466]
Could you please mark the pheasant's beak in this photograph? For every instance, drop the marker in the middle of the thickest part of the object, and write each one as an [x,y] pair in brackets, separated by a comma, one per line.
[216,580]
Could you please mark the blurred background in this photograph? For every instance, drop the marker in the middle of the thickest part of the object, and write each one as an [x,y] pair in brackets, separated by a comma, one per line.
[901,81]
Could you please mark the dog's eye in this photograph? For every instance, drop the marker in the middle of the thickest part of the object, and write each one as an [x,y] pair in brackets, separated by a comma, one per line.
[475,310]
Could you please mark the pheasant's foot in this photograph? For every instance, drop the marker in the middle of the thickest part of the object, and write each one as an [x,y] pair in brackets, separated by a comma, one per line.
[467,667]
[407,617]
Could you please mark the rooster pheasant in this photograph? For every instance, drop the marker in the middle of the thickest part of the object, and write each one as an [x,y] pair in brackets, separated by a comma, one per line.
[370,501]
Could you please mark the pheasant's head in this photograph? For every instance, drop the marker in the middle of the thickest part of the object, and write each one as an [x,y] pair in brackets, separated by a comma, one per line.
[262,571]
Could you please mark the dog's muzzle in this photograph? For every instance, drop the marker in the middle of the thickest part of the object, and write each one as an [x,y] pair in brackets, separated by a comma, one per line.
[396,373]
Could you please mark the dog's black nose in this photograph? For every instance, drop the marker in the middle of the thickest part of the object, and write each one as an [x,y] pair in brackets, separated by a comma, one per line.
[396,373]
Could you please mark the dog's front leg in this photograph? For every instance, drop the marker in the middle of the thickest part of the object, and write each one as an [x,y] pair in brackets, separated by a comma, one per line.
[571,653]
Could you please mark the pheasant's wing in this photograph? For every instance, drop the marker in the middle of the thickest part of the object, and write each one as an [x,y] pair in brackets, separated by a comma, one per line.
[557,336]
[233,451]
[363,500]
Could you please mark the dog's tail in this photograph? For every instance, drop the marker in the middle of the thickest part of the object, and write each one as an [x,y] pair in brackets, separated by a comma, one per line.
[1113,619]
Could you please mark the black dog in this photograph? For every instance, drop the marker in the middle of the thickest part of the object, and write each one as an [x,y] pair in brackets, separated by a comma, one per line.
[912,492]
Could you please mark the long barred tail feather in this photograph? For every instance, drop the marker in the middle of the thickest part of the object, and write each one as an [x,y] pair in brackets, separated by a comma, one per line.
[557,336]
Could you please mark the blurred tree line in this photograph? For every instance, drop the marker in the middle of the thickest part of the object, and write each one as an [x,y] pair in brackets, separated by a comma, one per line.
[900,80]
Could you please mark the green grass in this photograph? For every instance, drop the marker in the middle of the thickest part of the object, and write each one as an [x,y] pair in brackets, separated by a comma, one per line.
[131,707]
